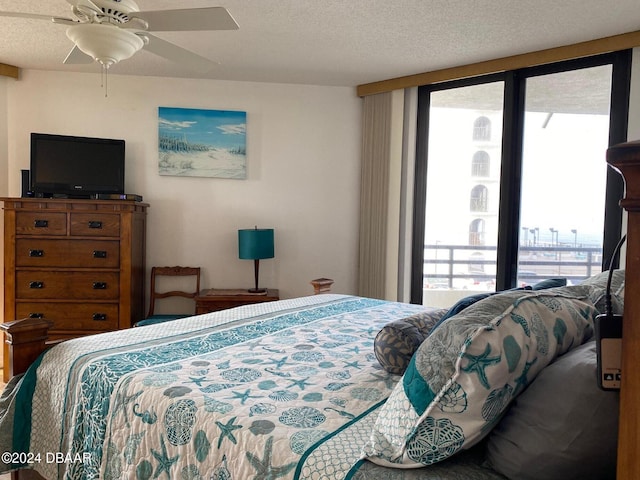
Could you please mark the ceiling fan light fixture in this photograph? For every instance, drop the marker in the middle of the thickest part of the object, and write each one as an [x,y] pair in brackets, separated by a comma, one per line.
[106,44]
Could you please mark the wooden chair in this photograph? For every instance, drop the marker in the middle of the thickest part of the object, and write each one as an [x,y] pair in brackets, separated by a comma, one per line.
[152,317]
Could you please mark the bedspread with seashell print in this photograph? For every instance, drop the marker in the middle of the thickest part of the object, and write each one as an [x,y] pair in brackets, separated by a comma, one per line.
[287,393]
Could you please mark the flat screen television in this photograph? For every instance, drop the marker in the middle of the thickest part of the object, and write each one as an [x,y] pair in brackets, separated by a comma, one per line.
[78,167]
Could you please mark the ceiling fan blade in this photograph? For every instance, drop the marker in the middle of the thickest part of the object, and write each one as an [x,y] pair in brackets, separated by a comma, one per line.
[179,55]
[188,19]
[27,15]
[77,57]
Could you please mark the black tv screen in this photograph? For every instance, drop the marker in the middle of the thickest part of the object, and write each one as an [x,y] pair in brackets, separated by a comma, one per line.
[70,166]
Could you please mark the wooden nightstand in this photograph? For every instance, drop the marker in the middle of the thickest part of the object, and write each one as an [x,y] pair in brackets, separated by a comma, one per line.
[214,299]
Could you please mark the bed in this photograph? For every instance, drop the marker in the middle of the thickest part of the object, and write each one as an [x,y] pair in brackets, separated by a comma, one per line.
[304,388]
[242,393]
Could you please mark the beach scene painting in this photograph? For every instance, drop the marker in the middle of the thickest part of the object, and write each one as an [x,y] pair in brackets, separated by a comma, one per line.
[202,143]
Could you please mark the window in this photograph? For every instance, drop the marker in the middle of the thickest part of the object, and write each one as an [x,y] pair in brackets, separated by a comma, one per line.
[479,199]
[476,232]
[482,129]
[554,191]
[449,215]
[480,165]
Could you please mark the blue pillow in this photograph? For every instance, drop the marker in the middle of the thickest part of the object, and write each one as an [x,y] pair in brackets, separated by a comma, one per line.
[550,283]
[464,303]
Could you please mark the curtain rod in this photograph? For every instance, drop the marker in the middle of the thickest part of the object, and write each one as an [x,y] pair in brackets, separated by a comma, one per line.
[514,62]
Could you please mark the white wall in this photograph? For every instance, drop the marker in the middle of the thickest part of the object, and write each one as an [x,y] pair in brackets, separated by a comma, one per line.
[303,163]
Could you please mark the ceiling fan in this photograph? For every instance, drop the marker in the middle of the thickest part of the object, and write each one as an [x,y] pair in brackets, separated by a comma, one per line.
[109,31]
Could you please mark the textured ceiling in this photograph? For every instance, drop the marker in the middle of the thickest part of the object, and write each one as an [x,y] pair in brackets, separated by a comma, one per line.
[332,42]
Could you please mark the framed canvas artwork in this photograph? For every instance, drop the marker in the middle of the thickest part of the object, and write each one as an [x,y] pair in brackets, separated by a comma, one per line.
[202,143]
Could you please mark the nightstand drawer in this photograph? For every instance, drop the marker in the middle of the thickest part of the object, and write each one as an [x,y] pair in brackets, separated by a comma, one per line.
[37,284]
[73,316]
[41,223]
[34,252]
[95,224]
[214,299]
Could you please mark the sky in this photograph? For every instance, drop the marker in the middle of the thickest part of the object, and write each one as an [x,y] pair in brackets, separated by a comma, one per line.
[564,172]
[564,175]
[219,128]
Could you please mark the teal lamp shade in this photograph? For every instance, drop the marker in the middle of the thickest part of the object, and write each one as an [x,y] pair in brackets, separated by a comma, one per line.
[256,244]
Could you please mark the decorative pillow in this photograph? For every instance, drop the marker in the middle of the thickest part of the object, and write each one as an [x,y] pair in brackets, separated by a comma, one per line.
[471,299]
[396,343]
[467,371]
[562,427]
[598,283]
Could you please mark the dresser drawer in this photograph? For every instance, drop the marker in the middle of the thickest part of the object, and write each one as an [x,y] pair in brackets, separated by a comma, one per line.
[41,223]
[37,252]
[95,224]
[73,316]
[40,284]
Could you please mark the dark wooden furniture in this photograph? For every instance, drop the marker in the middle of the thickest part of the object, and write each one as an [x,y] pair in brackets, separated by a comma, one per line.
[172,272]
[25,340]
[626,159]
[77,263]
[213,299]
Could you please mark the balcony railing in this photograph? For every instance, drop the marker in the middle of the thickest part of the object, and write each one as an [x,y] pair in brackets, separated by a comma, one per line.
[474,266]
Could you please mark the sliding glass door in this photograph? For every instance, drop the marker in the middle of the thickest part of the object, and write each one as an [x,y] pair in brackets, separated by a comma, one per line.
[566,135]
[463,189]
[512,171]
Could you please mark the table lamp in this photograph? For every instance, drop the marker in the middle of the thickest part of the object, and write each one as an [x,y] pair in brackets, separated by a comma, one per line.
[256,244]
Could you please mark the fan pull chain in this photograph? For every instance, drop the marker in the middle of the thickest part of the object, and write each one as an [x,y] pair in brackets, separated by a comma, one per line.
[104,79]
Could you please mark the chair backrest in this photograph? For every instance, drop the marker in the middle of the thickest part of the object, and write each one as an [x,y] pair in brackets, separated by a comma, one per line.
[172,272]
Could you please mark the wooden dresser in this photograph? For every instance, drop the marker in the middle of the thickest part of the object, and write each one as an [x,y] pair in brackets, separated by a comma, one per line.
[78,263]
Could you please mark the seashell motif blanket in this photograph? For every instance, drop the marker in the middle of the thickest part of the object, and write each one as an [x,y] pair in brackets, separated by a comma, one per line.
[284,389]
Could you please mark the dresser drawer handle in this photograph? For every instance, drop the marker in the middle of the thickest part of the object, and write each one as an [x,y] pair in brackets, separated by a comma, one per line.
[36,285]
[99,285]
[99,254]
[41,223]
[99,317]
[95,224]
[36,253]
[36,315]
